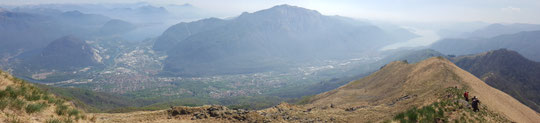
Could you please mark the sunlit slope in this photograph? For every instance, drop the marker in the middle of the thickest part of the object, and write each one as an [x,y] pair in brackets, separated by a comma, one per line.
[23,102]
[400,86]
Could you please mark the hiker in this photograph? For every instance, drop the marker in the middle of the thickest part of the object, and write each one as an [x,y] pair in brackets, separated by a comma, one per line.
[475,103]
[466,95]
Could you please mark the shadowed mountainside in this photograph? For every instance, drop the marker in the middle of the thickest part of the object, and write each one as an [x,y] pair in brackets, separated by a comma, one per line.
[66,53]
[267,39]
[526,43]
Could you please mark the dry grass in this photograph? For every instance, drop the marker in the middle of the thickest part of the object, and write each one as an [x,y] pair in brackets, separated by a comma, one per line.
[23,102]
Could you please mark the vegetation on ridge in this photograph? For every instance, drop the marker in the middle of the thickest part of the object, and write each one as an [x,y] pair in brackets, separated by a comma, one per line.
[451,107]
[20,100]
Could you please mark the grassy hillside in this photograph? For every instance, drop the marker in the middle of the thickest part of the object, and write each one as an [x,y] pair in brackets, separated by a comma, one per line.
[451,107]
[23,102]
[93,101]
[400,86]
[507,71]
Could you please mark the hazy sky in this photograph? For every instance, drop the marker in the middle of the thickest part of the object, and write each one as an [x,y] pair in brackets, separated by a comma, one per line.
[508,11]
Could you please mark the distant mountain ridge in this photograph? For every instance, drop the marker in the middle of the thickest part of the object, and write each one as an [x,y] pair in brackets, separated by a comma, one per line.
[66,53]
[265,39]
[114,27]
[501,29]
[23,32]
[526,43]
[508,71]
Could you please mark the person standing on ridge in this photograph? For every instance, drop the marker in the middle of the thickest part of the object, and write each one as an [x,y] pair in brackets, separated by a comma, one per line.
[475,103]
[466,95]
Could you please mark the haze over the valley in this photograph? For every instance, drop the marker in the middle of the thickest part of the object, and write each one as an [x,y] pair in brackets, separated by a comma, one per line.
[269,61]
[424,17]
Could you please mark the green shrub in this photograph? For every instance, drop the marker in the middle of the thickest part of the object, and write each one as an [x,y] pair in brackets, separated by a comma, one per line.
[412,115]
[58,102]
[61,109]
[53,121]
[73,112]
[3,94]
[440,113]
[51,100]
[45,97]
[68,120]
[21,91]
[428,113]
[18,104]
[400,117]
[11,92]
[32,108]
[3,104]
[32,97]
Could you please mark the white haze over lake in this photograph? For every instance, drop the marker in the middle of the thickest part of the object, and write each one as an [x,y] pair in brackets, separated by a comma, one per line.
[425,38]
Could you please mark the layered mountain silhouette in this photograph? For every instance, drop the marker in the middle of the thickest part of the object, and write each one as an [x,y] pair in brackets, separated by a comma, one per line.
[66,53]
[501,29]
[22,32]
[507,71]
[138,14]
[266,39]
[526,43]
[114,27]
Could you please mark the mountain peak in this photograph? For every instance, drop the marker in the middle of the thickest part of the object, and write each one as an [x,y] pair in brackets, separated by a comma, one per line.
[66,53]
[503,51]
[500,54]
[286,6]
[290,8]
[284,10]
[66,42]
